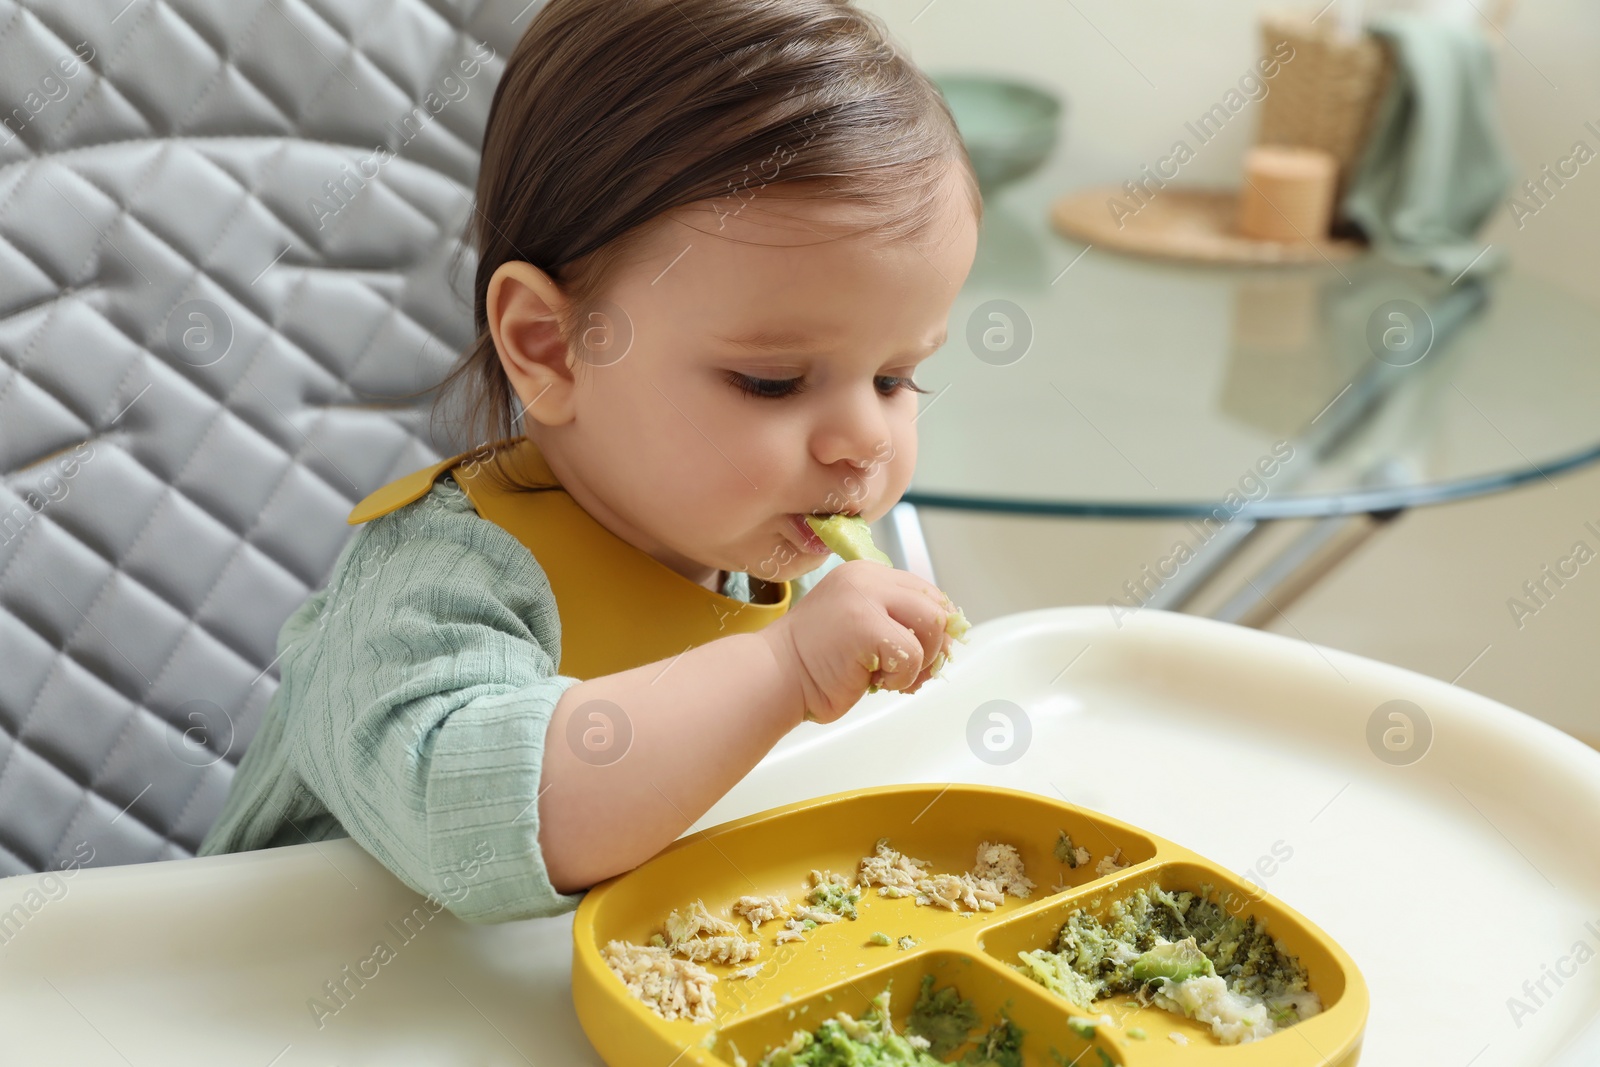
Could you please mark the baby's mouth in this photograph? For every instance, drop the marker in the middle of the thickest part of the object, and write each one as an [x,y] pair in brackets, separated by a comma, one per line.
[809,541]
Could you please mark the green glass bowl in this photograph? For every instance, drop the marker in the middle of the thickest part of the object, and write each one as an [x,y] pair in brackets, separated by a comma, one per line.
[1009,126]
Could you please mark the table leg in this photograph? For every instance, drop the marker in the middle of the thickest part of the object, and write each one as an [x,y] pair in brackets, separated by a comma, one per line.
[1299,566]
[1221,547]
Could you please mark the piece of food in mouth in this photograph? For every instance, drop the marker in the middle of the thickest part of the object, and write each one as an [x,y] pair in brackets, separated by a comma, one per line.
[1182,952]
[848,535]
[850,538]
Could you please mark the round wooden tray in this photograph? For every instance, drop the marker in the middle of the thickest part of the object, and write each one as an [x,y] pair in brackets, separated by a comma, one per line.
[1184,224]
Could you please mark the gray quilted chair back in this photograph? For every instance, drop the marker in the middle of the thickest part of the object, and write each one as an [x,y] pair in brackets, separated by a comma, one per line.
[228,240]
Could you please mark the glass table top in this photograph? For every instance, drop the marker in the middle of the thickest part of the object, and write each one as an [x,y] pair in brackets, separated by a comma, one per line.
[1082,381]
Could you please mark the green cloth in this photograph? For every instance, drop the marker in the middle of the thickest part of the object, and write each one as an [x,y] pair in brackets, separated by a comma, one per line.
[416,688]
[1435,165]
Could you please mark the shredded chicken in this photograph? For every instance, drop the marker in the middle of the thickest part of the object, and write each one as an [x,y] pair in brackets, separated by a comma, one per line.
[693,921]
[673,988]
[1110,864]
[997,871]
[759,910]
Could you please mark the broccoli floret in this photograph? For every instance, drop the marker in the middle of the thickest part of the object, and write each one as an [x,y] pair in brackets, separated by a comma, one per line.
[944,1018]
[939,1023]
[1000,1046]
[845,1042]
[1067,852]
[839,899]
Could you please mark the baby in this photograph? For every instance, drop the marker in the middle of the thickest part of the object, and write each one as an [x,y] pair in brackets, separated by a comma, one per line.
[715,240]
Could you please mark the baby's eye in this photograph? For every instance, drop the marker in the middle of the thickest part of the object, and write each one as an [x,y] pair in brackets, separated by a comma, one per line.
[778,388]
[771,388]
[896,384]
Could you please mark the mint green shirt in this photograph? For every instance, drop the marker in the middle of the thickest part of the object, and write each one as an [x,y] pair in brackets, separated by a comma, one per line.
[415,691]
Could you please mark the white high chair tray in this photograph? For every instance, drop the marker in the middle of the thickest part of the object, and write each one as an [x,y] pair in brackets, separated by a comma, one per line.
[1452,880]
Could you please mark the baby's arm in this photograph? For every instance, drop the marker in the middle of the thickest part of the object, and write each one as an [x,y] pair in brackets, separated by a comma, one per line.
[702,719]
[699,720]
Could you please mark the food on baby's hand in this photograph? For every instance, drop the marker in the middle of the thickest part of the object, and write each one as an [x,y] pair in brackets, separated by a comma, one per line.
[957,625]
[1182,952]
[850,538]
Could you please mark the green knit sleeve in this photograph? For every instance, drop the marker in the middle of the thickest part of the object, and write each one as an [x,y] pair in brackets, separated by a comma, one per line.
[420,707]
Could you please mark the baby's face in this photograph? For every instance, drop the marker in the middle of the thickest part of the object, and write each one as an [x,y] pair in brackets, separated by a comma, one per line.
[704,451]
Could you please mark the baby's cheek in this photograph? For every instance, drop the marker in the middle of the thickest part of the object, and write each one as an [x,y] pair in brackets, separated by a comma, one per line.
[902,462]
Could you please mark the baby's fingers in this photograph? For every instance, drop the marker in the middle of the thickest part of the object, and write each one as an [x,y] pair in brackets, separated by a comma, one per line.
[919,612]
[899,660]
[933,668]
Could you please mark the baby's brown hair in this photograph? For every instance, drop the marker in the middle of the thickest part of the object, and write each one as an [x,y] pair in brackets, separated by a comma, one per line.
[612,112]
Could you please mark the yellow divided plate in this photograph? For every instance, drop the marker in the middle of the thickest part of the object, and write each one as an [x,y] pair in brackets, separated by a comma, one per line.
[835,969]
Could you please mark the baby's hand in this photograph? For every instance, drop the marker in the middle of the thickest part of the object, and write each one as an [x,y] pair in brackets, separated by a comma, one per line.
[864,623]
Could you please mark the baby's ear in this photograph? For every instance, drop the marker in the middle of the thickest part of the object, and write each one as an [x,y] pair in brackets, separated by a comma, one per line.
[523,305]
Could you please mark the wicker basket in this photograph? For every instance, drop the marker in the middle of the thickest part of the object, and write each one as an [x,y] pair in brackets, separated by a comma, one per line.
[1326,95]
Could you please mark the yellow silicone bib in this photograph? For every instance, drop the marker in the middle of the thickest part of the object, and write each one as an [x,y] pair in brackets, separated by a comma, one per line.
[620,607]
